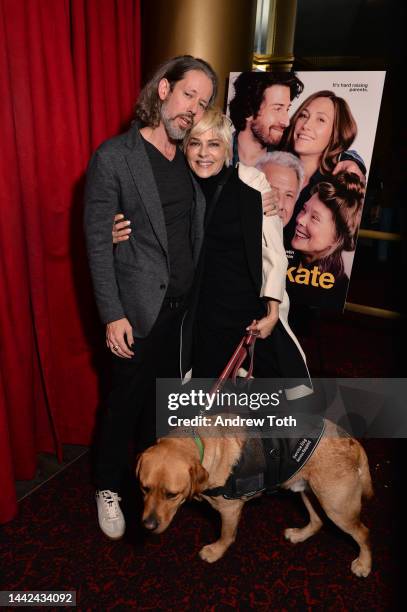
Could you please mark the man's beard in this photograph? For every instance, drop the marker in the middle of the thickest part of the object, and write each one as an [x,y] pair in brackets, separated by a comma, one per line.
[264,140]
[174,132]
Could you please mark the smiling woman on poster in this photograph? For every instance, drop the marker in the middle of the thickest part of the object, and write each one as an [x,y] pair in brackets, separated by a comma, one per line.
[325,228]
[320,134]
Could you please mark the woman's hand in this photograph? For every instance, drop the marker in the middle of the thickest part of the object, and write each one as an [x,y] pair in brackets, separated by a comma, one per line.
[265,326]
[120,230]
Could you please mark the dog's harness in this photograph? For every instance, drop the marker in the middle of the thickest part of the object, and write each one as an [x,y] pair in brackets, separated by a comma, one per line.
[266,463]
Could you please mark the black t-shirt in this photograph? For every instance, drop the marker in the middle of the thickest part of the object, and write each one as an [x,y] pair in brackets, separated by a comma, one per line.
[176,194]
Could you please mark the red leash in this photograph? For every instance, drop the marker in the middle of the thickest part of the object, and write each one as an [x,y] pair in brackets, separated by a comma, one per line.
[244,349]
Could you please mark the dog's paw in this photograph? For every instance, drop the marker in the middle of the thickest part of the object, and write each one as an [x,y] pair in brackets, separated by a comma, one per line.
[211,553]
[295,535]
[360,568]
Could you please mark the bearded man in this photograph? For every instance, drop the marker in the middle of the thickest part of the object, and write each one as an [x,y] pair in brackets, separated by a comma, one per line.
[140,285]
[259,112]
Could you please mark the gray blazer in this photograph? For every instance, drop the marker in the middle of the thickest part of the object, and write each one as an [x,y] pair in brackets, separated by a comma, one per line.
[130,280]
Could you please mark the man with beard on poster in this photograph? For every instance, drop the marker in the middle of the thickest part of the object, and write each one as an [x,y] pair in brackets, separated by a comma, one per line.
[259,112]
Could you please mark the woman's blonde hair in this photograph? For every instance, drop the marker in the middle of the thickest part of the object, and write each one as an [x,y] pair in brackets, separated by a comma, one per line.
[214,119]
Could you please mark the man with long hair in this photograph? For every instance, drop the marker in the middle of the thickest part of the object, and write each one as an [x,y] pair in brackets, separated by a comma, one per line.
[140,285]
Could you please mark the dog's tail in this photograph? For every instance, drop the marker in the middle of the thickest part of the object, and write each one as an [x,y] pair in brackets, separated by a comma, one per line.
[364,472]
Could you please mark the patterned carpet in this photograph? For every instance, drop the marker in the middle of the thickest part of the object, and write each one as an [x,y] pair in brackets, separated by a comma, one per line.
[55,543]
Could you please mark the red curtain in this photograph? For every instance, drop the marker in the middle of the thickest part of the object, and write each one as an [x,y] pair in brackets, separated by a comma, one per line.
[69,77]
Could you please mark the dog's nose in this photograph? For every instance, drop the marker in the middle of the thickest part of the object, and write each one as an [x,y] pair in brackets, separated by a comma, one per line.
[151,522]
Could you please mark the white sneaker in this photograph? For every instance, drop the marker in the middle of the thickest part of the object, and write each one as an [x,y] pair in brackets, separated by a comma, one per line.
[111,519]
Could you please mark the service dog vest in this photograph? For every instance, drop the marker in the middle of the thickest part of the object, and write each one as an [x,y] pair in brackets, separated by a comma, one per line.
[266,463]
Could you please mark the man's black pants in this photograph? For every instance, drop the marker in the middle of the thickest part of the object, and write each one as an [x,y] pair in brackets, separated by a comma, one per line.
[128,415]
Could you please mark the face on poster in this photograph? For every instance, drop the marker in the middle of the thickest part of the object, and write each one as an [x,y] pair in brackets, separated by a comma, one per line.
[325,124]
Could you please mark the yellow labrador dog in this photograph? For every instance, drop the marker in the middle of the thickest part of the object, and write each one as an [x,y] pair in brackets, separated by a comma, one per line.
[171,472]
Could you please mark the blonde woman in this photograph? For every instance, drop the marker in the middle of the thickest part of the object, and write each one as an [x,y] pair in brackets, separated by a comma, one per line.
[241,275]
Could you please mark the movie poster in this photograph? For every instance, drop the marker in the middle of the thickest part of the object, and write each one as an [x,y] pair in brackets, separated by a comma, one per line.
[315,151]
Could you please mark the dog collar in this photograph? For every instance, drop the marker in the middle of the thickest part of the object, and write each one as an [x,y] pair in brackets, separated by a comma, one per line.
[200,445]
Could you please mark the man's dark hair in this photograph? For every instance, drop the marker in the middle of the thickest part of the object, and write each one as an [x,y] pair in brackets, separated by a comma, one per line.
[249,93]
[148,105]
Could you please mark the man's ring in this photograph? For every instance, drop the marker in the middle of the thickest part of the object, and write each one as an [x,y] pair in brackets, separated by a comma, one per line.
[115,347]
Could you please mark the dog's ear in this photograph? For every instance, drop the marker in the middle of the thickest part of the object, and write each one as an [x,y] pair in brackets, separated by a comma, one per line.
[139,459]
[199,479]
